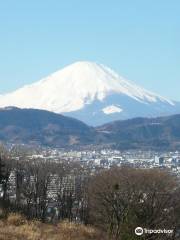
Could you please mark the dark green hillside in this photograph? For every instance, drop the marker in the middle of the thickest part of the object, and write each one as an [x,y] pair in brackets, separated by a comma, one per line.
[144,133]
[42,127]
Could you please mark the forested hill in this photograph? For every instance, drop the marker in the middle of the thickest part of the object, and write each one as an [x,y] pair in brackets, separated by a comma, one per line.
[144,133]
[32,126]
[42,127]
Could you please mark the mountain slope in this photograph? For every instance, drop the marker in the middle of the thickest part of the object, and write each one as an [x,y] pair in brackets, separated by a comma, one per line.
[161,133]
[43,128]
[40,127]
[92,93]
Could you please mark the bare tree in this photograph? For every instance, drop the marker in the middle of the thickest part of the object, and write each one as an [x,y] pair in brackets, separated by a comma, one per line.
[122,199]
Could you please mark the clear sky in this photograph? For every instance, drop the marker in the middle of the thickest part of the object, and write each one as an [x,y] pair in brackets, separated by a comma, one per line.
[140,39]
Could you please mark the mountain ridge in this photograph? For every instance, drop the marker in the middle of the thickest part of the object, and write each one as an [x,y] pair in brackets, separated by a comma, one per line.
[92,93]
[160,133]
[40,127]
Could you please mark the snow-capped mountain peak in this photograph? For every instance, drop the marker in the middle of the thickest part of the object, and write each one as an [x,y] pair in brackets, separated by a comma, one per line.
[79,86]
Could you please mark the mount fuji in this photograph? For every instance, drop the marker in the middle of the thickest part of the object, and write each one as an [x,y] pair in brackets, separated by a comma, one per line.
[92,93]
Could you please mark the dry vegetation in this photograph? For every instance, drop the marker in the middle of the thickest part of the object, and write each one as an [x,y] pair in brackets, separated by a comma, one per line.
[16,227]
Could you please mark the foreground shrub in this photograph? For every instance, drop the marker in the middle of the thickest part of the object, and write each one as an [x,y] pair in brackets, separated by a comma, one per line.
[16,219]
[17,227]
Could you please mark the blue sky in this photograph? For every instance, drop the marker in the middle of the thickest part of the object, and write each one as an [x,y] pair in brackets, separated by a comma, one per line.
[139,39]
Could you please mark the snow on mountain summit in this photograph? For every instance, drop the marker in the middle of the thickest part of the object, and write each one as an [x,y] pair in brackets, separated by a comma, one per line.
[112,109]
[78,86]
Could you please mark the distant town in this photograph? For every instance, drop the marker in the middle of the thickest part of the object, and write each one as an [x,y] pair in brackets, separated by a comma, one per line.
[107,158]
